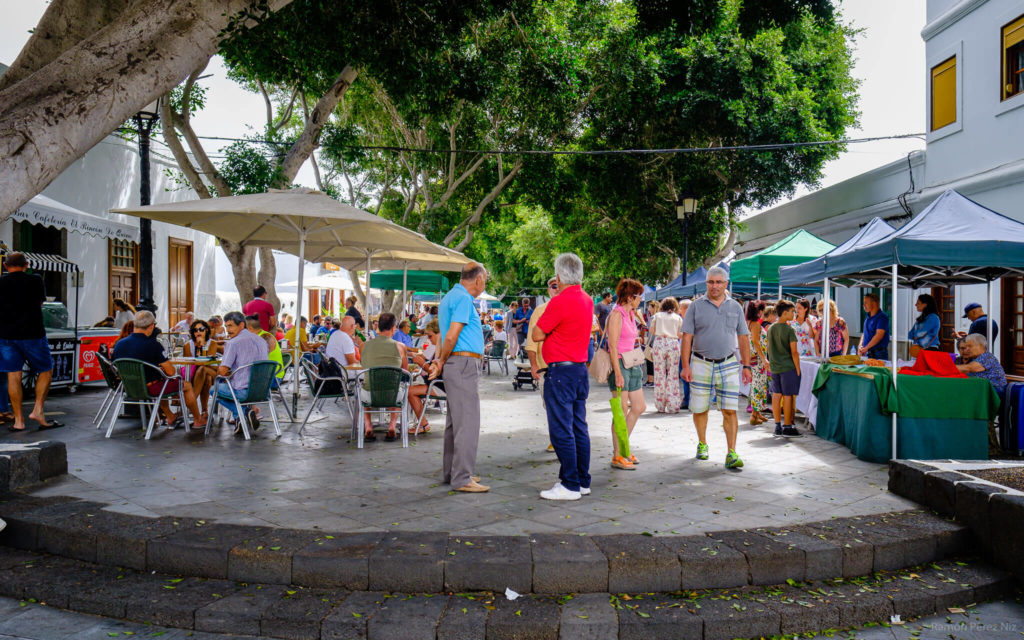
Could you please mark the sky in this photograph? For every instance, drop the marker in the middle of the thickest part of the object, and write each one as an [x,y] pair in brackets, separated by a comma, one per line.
[890,62]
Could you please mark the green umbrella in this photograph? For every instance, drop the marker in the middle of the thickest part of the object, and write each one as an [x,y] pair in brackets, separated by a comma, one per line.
[619,424]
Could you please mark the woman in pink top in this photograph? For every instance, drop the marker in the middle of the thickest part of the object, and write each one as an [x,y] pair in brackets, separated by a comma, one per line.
[622,334]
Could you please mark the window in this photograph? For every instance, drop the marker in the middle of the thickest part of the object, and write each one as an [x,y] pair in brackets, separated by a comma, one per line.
[944,93]
[1013,58]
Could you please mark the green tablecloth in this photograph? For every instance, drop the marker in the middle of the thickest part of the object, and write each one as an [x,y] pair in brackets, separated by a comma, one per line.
[945,417]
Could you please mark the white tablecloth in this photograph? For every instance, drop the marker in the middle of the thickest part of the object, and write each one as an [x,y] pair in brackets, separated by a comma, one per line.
[806,402]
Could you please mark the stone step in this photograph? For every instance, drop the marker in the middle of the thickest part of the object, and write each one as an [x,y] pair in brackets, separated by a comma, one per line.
[432,562]
[294,612]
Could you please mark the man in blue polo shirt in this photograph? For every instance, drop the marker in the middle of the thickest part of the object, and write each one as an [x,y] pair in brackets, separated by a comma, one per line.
[458,362]
[874,342]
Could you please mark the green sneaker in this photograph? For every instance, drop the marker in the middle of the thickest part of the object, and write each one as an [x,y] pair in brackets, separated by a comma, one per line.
[702,451]
[732,461]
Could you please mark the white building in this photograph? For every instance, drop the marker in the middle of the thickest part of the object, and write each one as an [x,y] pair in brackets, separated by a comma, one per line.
[72,219]
[975,124]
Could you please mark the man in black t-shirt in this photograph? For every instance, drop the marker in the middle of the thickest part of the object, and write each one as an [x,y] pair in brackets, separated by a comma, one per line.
[23,338]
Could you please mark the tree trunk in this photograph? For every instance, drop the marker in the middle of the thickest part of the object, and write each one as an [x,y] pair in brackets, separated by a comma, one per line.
[357,289]
[243,267]
[53,116]
[268,276]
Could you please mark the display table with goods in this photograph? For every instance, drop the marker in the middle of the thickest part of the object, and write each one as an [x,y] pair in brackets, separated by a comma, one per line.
[938,418]
[806,401]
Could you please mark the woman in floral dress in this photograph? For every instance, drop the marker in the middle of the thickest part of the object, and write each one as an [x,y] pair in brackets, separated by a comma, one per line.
[665,326]
[806,331]
[759,400]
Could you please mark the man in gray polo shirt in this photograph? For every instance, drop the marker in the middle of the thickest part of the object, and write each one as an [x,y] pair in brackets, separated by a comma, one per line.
[711,329]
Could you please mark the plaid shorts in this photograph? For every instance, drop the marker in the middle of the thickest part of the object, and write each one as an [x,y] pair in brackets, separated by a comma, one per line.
[723,377]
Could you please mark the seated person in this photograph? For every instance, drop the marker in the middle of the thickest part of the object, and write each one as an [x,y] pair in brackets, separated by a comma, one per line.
[418,392]
[105,323]
[201,344]
[252,323]
[404,333]
[977,362]
[217,331]
[499,332]
[309,351]
[141,345]
[383,351]
[242,348]
[342,346]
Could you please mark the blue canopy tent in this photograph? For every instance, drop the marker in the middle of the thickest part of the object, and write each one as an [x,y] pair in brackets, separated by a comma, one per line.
[745,290]
[649,293]
[763,266]
[953,241]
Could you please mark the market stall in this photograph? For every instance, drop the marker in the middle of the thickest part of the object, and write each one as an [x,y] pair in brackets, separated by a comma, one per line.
[762,268]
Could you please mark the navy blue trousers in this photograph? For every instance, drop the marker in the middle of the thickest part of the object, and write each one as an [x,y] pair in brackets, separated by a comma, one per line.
[565,398]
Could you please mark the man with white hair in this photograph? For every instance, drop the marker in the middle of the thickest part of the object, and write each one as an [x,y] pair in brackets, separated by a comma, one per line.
[184,324]
[564,331]
[711,327]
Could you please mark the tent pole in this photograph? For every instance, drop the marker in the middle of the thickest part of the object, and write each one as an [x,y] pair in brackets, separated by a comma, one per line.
[780,290]
[759,288]
[893,341]
[826,327]
[405,284]
[297,347]
[988,318]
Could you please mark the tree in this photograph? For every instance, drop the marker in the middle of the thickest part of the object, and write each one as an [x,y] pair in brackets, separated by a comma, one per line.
[89,67]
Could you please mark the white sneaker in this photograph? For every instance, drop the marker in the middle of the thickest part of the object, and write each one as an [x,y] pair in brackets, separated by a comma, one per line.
[559,492]
[584,491]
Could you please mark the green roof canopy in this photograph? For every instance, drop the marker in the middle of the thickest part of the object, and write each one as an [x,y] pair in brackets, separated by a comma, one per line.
[799,247]
[419,281]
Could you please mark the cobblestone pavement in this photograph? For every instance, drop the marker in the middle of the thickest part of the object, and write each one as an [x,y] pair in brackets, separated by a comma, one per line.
[1001,620]
[319,480]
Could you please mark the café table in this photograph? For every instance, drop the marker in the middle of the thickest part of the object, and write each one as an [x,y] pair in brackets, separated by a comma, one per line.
[185,365]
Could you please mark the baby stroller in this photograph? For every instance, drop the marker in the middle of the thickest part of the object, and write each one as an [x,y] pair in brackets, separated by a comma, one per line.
[523,376]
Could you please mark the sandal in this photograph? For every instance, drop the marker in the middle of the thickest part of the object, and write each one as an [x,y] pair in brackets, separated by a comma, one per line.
[390,436]
[369,437]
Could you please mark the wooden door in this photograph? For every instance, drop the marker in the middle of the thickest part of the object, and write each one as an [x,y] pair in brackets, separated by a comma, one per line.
[946,303]
[123,272]
[179,278]
[1011,325]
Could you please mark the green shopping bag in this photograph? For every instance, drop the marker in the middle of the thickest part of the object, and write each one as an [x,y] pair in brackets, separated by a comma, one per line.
[619,424]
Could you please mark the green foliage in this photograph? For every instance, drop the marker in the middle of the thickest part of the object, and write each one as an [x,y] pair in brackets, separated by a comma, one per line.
[247,169]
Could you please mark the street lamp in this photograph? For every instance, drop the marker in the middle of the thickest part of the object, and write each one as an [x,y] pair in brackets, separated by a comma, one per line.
[145,120]
[685,207]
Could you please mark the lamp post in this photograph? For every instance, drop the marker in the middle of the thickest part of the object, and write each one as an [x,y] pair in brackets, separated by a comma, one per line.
[145,120]
[685,207]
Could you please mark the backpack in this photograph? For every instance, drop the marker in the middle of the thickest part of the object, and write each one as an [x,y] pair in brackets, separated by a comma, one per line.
[329,368]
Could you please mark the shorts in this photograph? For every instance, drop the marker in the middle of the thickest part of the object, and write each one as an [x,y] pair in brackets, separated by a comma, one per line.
[155,387]
[722,377]
[632,379]
[15,353]
[786,383]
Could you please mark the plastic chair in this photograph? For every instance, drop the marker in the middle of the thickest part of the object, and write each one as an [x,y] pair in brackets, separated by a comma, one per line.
[286,359]
[262,374]
[388,387]
[433,393]
[136,391]
[497,353]
[113,388]
[326,388]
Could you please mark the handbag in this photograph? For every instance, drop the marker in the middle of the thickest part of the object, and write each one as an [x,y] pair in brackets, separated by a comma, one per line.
[632,358]
[601,366]
[649,348]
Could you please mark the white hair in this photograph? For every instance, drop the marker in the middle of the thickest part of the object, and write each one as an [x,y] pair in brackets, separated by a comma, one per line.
[569,269]
[144,319]
[718,271]
[977,339]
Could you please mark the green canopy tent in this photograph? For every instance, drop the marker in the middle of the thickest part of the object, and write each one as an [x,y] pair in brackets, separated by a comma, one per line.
[763,266]
[418,281]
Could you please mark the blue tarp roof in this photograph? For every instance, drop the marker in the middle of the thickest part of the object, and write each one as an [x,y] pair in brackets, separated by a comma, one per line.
[814,270]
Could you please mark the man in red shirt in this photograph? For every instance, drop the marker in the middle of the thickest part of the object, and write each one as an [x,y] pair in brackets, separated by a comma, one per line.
[259,306]
[564,331]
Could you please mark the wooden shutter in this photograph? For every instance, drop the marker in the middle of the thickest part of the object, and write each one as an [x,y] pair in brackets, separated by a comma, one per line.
[944,93]
[1013,36]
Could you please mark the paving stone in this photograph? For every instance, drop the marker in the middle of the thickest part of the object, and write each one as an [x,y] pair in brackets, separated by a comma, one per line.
[729,618]
[638,563]
[5,474]
[797,612]
[989,583]
[336,560]
[908,601]
[857,603]
[54,580]
[888,548]
[919,546]
[464,619]
[163,601]
[22,465]
[74,534]
[297,614]
[906,478]
[770,561]
[654,617]
[123,542]
[944,585]
[1006,513]
[53,459]
[268,558]
[404,616]
[23,516]
[240,612]
[565,563]
[201,551]
[409,561]
[940,491]
[822,559]
[10,558]
[707,563]
[109,598]
[858,555]
[588,616]
[42,622]
[951,538]
[349,619]
[488,563]
[972,508]
[527,618]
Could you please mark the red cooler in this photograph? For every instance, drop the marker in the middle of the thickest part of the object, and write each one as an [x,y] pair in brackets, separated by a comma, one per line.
[89,341]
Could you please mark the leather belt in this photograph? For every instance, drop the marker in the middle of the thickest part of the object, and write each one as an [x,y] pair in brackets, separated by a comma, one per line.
[468,354]
[563,363]
[713,360]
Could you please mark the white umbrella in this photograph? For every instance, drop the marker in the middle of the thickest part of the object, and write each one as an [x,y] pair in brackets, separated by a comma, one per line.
[336,280]
[486,296]
[309,224]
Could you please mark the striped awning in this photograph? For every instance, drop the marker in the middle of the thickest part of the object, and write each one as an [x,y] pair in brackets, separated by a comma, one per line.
[48,262]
